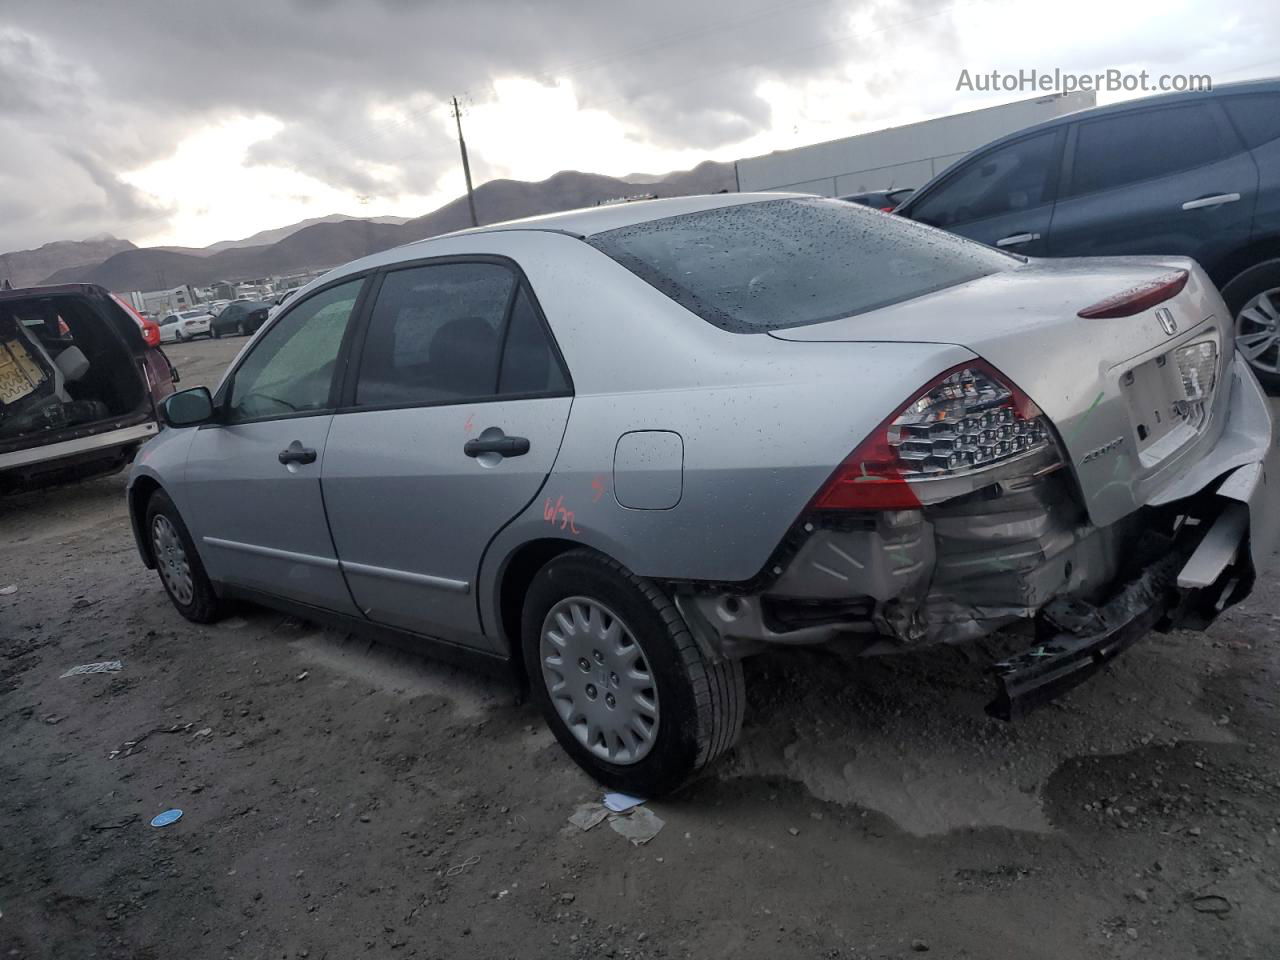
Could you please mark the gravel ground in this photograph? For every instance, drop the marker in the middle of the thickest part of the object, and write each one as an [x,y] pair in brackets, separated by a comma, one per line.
[344,800]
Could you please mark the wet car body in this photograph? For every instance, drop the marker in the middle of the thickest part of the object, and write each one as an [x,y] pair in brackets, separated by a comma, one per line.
[80,384]
[932,444]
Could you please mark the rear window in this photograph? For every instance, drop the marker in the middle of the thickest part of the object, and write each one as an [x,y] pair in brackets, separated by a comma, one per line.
[782,263]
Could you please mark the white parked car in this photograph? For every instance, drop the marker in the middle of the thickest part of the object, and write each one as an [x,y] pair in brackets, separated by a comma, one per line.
[186,326]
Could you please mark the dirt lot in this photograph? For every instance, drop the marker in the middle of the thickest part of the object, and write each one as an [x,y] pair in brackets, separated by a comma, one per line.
[341,800]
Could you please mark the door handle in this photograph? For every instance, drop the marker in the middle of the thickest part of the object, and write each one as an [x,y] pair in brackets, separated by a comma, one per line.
[1016,239]
[297,453]
[1217,200]
[503,446]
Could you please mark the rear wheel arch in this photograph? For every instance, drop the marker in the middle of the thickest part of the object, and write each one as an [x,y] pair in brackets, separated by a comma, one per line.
[1244,258]
[513,583]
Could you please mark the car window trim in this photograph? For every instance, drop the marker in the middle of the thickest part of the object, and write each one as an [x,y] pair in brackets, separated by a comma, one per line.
[1052,182]
[1228,137]
[347,399]
[223,395]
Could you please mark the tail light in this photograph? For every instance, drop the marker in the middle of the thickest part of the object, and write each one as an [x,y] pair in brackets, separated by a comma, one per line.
[1136,299]
[150,329]
[968,420]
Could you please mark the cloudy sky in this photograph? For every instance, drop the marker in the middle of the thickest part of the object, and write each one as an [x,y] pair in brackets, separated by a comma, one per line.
[185,122]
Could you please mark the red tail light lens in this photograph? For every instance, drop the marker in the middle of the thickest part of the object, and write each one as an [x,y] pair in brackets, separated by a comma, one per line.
[150,329]
[967,420]
[1137,299]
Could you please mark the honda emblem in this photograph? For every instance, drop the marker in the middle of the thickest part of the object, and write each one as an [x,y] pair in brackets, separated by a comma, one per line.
[1167,323]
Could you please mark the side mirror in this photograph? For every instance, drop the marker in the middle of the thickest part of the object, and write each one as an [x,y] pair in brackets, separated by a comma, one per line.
[188,407]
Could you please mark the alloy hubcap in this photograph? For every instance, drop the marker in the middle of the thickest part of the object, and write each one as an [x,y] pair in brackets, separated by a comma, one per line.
[1258,331]
[599,680]
[171,559]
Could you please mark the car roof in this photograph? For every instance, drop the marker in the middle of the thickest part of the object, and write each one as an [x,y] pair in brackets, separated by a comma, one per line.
[58,289]
[589,221]
[1269,85]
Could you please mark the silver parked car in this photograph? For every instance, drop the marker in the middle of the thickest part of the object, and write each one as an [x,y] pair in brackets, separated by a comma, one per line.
[623,448]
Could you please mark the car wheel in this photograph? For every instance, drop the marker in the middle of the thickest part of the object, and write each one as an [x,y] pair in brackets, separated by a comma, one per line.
[179,565]
[620,680]
[179,336]
[244,331]
[213,332]
[1253,297]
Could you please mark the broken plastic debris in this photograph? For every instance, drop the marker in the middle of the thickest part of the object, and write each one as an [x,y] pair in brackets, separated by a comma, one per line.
[106,666]
[166,818]
[588,815]
[303,675]
[9,591]
[621,802]
[639,826]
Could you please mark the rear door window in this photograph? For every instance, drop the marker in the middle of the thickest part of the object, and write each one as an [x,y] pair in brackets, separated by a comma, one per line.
[1017,176]
[753,267]
[1256,116]
[1126,148]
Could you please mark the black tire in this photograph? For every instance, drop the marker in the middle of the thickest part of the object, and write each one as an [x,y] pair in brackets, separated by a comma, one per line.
[701,702]
[213,332]
[243,330]
[1240,290]
[204,606]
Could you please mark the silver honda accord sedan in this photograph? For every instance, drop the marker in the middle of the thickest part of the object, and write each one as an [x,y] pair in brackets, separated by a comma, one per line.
[621,449]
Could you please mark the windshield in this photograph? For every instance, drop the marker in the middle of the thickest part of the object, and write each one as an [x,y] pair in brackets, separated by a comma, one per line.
[781,263]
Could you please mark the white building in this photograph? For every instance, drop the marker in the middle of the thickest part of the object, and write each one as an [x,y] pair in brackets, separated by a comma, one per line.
[906,156]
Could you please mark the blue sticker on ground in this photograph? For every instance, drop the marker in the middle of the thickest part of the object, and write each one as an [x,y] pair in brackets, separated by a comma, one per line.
[166,818]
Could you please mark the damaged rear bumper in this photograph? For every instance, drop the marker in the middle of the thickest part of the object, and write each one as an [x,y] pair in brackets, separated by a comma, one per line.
[1021,551]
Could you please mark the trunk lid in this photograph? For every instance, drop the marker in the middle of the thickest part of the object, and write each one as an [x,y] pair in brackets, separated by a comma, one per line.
[1113,388]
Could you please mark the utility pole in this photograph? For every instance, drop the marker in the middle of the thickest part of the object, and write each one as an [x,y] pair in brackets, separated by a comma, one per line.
[466,166]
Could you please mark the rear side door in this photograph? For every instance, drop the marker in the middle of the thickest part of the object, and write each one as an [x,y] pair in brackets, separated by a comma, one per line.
[1256,116]
[1173,180]
[450,425]
[253,478]
[1003,196]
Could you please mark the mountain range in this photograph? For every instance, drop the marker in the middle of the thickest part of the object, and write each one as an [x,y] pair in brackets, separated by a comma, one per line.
[329,241]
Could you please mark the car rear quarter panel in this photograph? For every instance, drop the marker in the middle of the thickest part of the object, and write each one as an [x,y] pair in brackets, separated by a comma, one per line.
[762,423]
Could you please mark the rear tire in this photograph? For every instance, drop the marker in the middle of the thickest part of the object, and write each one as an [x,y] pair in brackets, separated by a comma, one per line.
[181,572]
[244,331]
[696,705]
[213,332]
[1243,291]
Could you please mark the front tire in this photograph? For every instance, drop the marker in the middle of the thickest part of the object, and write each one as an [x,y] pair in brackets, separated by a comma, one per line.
[178,563]
[648,710]
[244,331]
[213,332]
[1253,299]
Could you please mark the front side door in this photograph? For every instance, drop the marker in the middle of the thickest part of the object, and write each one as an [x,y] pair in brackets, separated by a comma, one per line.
[1003,197]
[450,426]
[253,478]
[1174,181]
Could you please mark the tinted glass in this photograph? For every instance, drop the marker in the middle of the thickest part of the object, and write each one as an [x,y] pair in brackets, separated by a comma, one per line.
[529,364]
[1014,177]
[1130,147]
[784,263]
[435,335]
[1256,116]
[291,368]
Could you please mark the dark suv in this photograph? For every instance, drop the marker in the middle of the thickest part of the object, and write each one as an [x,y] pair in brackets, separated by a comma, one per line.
[1193,174]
